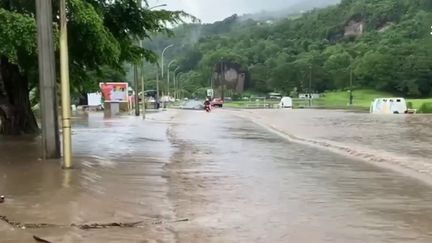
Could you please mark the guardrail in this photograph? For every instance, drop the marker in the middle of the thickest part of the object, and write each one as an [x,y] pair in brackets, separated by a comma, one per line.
[261,106]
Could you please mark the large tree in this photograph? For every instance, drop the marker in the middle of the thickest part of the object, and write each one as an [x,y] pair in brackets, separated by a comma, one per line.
[101,34]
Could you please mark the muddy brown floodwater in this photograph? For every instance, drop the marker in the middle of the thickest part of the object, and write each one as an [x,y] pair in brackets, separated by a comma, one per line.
[400,142]
[188,176]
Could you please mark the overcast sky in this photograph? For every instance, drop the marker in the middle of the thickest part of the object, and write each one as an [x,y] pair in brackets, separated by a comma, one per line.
[214,10]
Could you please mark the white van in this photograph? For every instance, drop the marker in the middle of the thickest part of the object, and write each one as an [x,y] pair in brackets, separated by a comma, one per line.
[389,106]
[286,102]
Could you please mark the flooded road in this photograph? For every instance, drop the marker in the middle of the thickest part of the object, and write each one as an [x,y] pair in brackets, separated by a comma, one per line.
[190,176]
[400,142]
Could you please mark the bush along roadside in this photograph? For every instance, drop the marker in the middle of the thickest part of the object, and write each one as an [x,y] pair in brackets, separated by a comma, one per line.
[426,108]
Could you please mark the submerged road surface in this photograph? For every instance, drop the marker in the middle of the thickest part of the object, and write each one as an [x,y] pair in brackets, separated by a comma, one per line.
[191,176]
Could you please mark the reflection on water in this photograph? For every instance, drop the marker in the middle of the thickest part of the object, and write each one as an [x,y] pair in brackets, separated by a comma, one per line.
[277,191]
[402,140]
[118,176]
[232,180]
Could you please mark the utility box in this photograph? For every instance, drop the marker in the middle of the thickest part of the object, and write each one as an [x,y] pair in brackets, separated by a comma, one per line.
[111,108]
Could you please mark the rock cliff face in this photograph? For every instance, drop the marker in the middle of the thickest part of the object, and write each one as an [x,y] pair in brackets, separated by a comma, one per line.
[231,75]
[354,29]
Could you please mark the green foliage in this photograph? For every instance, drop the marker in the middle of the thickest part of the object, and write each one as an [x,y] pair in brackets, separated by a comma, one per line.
[362,98]
[392,54]
[103,35]
[410,105]
[426,107]
[93,36]
[17,34]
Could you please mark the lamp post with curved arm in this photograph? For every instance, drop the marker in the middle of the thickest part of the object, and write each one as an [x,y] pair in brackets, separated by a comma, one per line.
[175,87]
[168,75]
[178,80]
[158,6]
[142,66]
[162,59]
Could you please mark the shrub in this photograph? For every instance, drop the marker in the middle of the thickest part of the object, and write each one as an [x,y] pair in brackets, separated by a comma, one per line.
[426,107]
[410,105]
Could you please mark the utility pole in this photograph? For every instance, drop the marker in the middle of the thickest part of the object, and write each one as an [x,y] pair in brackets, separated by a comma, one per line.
[157,83]
[168,76]
[178,84]
[175,82]
[223,81]
[181,89]
[141,43]
[143,93]
[65,88]
[168,82]
[310,86]
[136,97]
[142,84]
[47,83]
[351,87]
[174,85]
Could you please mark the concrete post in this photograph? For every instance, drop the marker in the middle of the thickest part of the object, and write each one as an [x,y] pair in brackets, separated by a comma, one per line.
[136,97]
[65,89]
[157,83]
[47,83]
[143,93]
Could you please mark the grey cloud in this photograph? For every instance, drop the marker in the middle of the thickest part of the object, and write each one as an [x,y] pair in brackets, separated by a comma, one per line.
[211,10]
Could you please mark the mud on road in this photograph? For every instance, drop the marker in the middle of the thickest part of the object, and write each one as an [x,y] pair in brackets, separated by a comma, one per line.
[190,176]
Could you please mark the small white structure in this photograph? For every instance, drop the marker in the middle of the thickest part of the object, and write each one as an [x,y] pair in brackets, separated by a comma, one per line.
[94,99]
[389,106]
[286,102]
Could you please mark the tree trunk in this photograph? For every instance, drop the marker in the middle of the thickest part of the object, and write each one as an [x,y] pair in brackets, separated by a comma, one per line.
[83,100]
[16,116]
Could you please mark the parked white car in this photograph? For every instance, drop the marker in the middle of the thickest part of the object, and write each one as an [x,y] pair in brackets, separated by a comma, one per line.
[389,106]
[286,102]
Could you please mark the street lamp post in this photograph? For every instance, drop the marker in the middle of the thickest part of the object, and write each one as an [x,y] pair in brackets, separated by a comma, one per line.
[175,87]
[180,87]
[168,76]
[179,75]
[158,6]
[162,59]
[142,67]
[310,86]
[351,97]
[136,97]
[157,82]
[351,87]
[143,89]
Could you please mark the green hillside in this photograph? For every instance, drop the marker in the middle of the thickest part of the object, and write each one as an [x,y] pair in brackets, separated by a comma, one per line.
[385,43]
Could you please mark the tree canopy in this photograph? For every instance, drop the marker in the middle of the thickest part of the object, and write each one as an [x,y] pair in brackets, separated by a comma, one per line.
[103,35]
[385,43]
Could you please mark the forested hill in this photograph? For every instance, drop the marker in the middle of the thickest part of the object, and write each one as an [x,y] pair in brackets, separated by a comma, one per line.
[385,43]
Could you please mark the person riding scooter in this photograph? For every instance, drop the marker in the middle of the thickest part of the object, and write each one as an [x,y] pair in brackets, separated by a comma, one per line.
[207,105]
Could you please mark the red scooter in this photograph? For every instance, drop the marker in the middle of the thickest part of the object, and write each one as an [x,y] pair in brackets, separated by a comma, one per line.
[207,108]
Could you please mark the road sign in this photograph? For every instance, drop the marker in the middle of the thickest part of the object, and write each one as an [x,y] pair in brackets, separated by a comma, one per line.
[210,93]
[114,92]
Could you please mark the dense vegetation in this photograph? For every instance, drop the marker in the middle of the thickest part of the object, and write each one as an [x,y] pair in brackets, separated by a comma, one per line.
[102,36]
[392,53]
